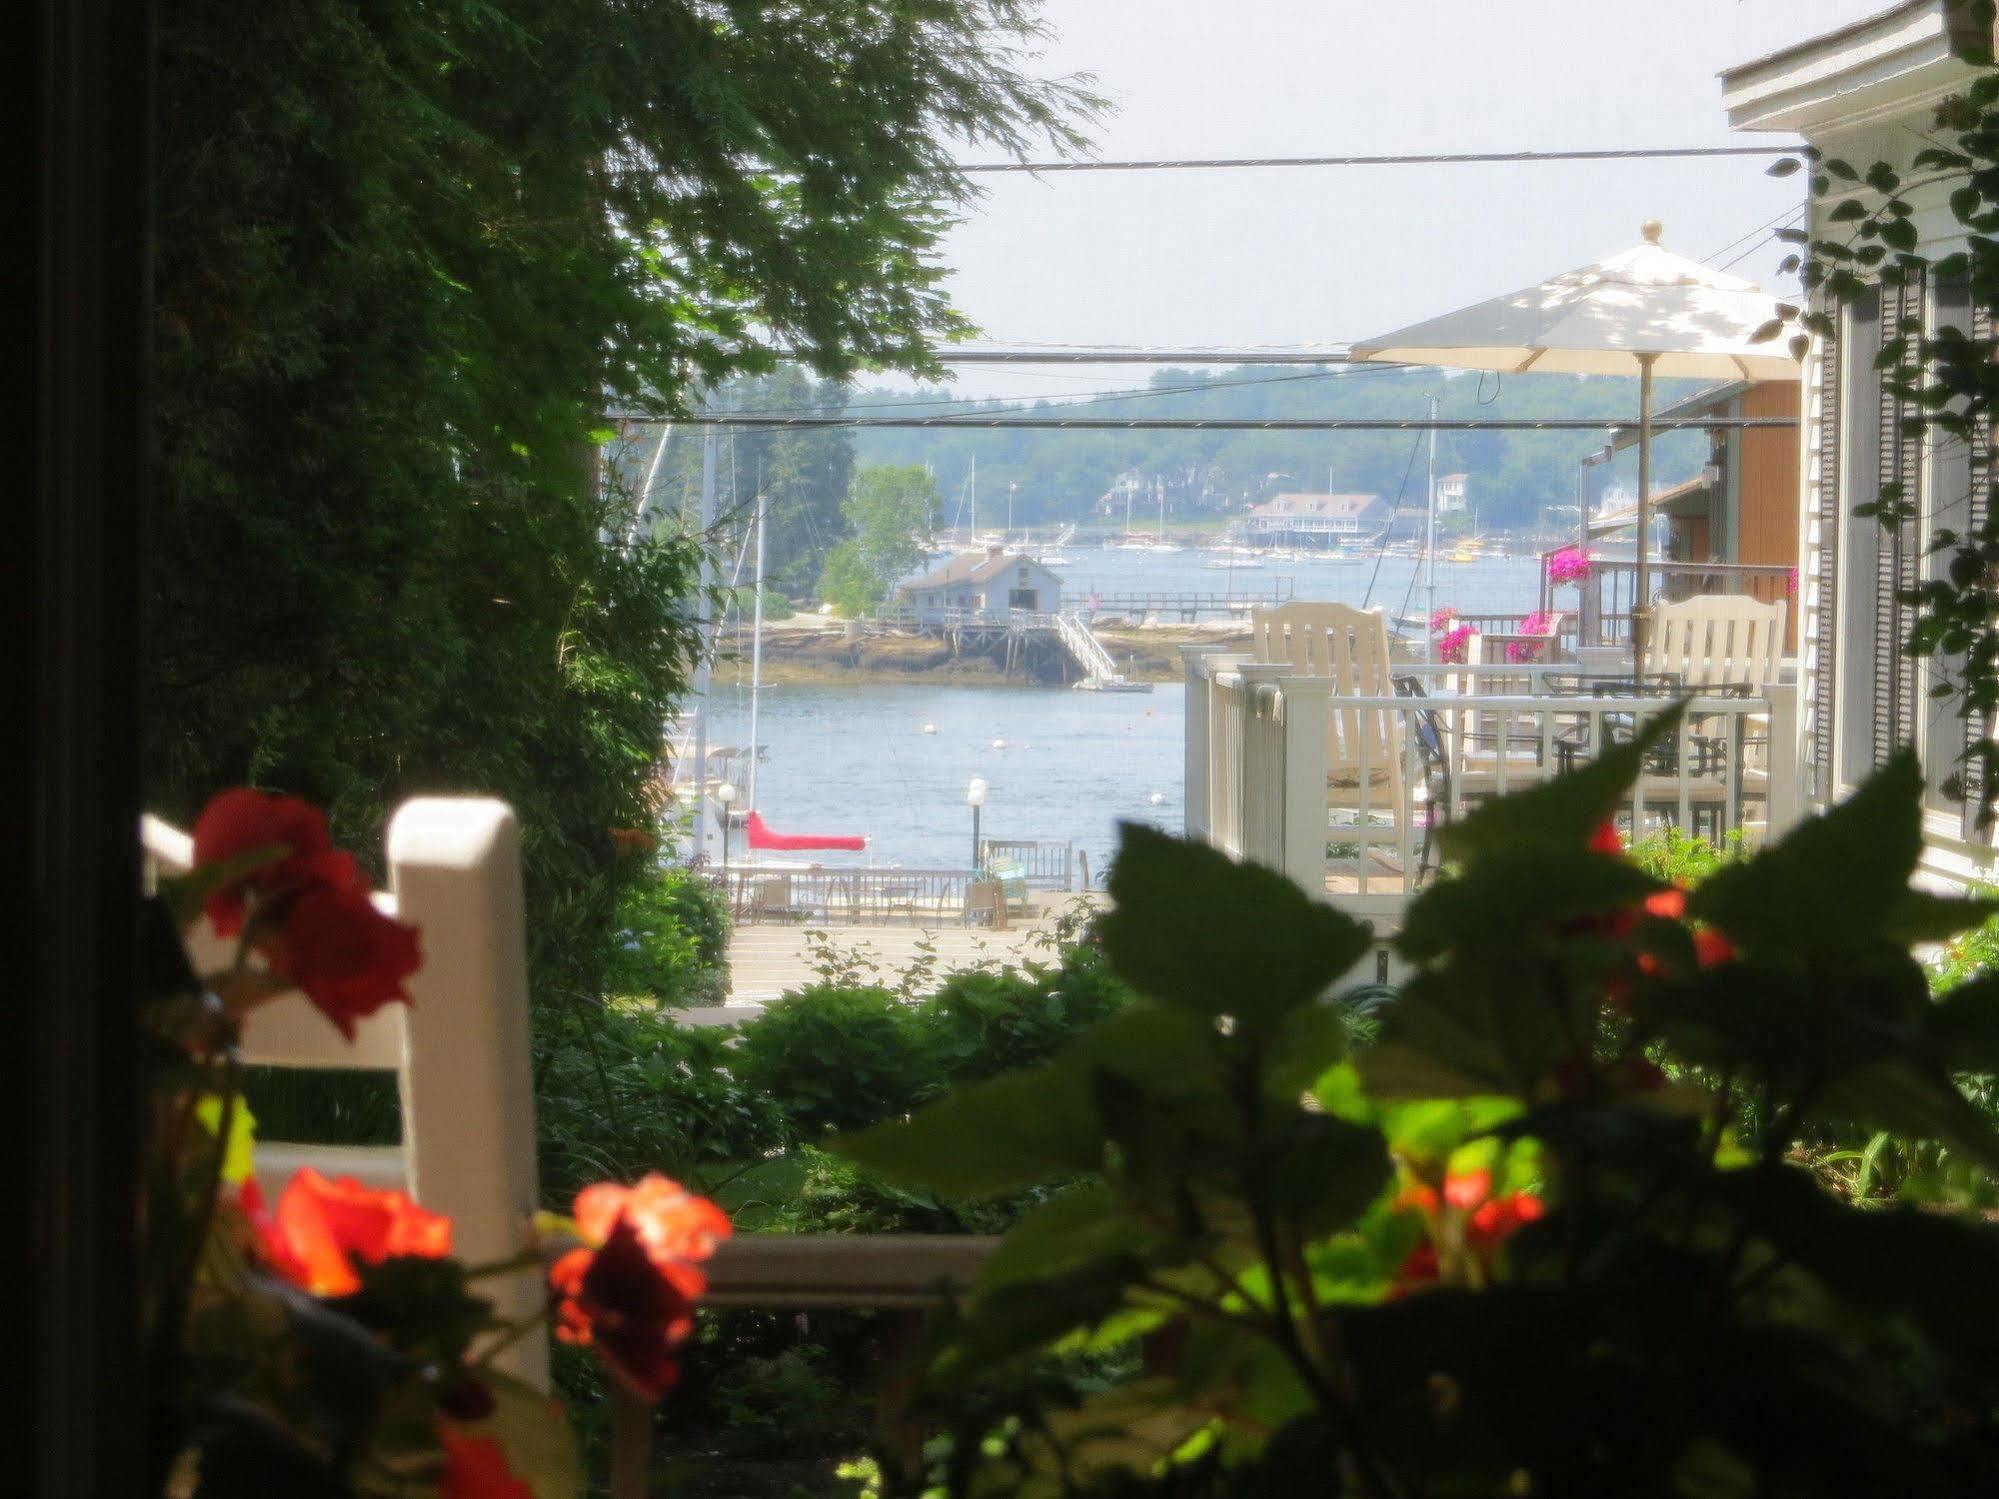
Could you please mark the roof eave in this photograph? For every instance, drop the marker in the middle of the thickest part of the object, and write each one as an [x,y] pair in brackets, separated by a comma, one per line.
[1886,64]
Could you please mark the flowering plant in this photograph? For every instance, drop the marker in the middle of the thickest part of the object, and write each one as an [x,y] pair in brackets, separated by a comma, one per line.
[1540,1225]
[1539,622]
[1570,564]
[324,1338]
[1443,619]
[1454,645]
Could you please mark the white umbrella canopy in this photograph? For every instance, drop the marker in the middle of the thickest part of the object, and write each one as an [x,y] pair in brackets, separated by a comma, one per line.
[1645,311]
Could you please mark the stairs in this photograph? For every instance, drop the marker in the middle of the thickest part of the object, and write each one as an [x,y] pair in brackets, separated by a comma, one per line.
[1100,673]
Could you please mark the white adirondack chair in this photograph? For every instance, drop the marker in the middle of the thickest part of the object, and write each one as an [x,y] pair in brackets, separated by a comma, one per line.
[1714,639]
[460,1049]
[1365,747]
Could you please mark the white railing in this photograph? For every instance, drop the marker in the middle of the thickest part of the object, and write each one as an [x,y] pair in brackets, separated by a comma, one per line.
[1267,781]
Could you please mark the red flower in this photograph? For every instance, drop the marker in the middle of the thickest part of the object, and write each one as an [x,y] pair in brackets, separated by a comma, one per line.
[241,821]
[633,1295]
[1711,947]
[1418,1268]
[475,1468]
[1495,1220]
[321,1227]
[347,957]
[1605,840]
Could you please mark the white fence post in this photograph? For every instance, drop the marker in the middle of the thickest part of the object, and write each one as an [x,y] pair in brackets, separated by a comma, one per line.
[1198,664]
[1787,754]
[1306,702]
[468,1086]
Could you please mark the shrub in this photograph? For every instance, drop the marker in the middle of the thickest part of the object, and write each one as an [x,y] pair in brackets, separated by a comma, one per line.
[832,1058]
[982,1024]
[670,941]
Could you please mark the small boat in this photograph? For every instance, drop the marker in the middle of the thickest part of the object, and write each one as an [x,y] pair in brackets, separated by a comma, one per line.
[1233,564]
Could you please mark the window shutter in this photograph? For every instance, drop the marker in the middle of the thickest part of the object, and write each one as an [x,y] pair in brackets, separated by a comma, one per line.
[1897,690]
[1827,572]
[1978,512]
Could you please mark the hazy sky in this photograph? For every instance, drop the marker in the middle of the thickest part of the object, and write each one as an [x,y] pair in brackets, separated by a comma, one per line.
[1308,255]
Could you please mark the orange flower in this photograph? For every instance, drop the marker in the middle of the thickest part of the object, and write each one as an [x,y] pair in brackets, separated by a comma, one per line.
[475,1468]
[1466,1190]
[632,1295]
[1668,905]
[1605,840]
[321,1227]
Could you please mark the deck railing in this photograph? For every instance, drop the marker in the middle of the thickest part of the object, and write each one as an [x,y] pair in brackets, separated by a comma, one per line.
[1271,777]
[1602,603]
[1044,864]
[845,896]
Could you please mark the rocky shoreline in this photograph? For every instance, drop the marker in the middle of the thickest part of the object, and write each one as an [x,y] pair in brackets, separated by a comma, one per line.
[821,651]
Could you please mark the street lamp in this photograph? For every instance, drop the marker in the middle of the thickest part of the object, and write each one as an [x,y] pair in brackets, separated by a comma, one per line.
[975,798]
[726,795]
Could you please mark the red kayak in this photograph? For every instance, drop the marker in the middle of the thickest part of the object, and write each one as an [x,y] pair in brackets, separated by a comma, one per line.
[760,836]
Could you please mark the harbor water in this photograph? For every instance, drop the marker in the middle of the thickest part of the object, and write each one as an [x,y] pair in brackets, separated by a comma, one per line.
[1059,764]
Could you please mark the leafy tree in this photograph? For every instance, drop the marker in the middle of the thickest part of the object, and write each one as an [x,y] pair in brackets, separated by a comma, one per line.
[409,257]
[888,510]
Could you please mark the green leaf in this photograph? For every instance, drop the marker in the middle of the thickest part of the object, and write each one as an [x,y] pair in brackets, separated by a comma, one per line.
[1923,917]
[1196,929]
[1837,883]
[535,1435]
[1563,812]
[419,1305]
[1962,1028]
[1311,1040]
[239,1150]
[1321,1173]
[1508,896]
[1901,1094]
[1002,1135]
[1061,1234]
[1783,166]
[1466,1032]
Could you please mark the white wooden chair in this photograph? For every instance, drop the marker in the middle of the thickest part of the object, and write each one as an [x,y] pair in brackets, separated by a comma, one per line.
[1717,639]
[460,1049]
[1365,747]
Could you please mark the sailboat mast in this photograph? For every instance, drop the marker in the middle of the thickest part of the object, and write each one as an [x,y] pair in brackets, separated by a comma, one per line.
[757,650]
[975,497]
[1159,488]
[1430,534]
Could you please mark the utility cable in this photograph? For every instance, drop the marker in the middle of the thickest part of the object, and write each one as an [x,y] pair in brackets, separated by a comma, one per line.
[1404,159]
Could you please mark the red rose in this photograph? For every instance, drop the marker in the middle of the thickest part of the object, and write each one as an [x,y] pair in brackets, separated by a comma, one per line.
[241,821]
[632,1296]
[347,957]
[322,1226]
[475,1468]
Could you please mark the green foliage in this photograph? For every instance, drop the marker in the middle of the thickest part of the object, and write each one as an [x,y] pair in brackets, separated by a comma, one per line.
[407,256]
[1426,1268]
[887,512]
[836,1058]
[671,941]
[623,1089]
[1680,858]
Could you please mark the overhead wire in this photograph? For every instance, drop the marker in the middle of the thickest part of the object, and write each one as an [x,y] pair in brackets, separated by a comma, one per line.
[1397,159]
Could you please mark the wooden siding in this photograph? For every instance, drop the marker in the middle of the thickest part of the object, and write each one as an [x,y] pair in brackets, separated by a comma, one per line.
[1767,487]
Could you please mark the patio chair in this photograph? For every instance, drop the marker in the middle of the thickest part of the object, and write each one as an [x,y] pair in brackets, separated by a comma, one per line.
[1716,639]
[459,1049]
[1364,746]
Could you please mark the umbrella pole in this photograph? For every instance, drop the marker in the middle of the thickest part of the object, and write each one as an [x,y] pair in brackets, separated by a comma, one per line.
[1641,601]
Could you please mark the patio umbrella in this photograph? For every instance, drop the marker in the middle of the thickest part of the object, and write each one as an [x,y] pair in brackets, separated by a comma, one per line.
[1646,311]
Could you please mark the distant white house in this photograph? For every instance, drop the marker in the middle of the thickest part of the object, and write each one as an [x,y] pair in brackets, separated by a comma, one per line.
[1453,493]
[989,582]
[1321,517]
[1867,92]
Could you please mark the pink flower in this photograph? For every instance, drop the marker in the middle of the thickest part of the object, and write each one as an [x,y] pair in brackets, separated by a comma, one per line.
[1443,619]
[1791,583]
[1540,622]
[1455,645]
[1569,565]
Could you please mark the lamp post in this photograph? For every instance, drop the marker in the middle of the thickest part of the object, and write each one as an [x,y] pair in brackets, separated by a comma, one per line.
[975,798]
[726,795]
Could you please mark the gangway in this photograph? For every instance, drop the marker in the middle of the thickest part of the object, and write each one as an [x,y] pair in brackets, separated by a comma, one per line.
[1100,673]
